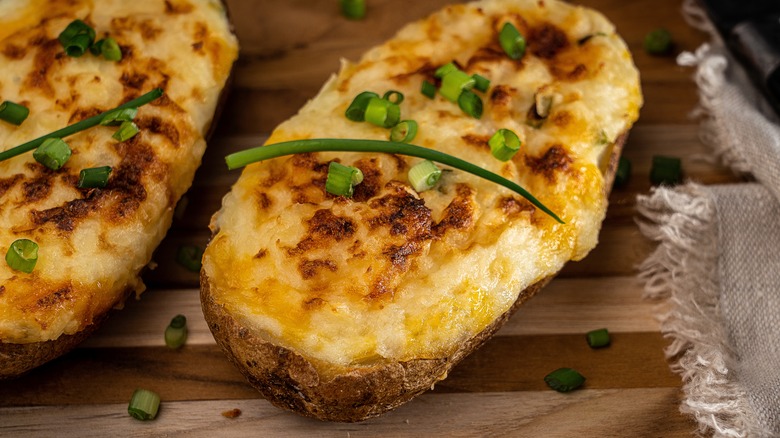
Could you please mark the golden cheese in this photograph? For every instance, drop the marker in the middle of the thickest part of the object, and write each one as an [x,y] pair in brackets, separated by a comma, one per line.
[93,243]
[391,274]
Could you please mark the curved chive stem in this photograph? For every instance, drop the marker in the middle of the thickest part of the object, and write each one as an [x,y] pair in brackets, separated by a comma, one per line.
[564,379]
[424,175]
[357,109]
[78,126]
[22,255]
[504,144]
[53,153]
[144,405]
[13,113]
[353,9]
[598,338]
[342,179]
[404,131]
[126,131]
[512,41]
[470,103]
[248,156]
[176,332]
[190,257]
[94,177]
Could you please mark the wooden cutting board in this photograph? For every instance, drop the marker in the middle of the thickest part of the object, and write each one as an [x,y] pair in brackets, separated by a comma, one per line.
[288,49]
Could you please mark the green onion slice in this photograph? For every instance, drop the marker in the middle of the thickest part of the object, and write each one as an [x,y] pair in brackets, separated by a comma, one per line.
[119,115]
[404,131]
[445,69]
[357,109]
[342,179]
[353,9]
[144,405]
[471,104]
[78,45]
[512,41]
[13,113]
[382,112]
[110,50]
[543,104]
[504,144]
[126,131]
[190,257]
[77,38]
[424,175]
[394,96]
[481,83]
[248,156]
[455,82]
[176,332]
[53,153]
[623,173]
[564,379]
[22,255]
[428,89]
[96,48]
[78,126]
[666,170]
[658,42]
[598,338]
[94,177]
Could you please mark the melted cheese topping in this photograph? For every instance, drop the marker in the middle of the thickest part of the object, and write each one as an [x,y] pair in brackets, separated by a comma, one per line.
[93,243]
[393,275]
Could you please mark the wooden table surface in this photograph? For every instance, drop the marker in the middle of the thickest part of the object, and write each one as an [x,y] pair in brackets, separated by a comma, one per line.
[288,49]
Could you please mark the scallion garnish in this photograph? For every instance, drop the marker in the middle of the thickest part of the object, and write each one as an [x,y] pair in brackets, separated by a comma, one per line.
[126,131]
[94,177]
[22,255]
[77,38]
[394,96]
[353,9]
[176,332]
[666,170]
[471,104]
[543,104]
[623,173]
[658,42]
[404,131]
[564,379]
[357,109]
[78,126]
[512,41]
[454,83]
[190,257]
[444,69]
[382,112]
[342,179]
[424,175]
[110,49]
[13,113]
[53,153]
[481,83]
[248,156]
[144,405]
[117,116]
[428,89]
[504,144]
[598,338]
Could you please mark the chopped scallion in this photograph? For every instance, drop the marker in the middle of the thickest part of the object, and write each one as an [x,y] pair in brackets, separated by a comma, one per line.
[94,177]
[471,104]
[126,131]
[144,405]
[666,170]
[598,338]
[623,173]
[117,116]
[53,153]
[353,9]
[342,179]
[176,332]
[504,144]
[110,50]
[454,83]
[393,96]
[95,49]
[564,379]
[428,89]
[22,255]
[77,38]
[357,109]
[512,41]
[424,175]
[543,105]
[404,131]
[481,83]
[382,112]
[444,69]
[658,42]
[190,257]
[13,113]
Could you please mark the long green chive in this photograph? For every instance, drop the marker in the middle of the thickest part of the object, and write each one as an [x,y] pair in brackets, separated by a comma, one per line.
[77,38]
[394,96]
[623,173]
[22,255]
[455,82]
[564,380]
[176,332]
[471,104]
[13,113]
[666,170]
[504,144]
[110,50]
[658,42]
[424,175]
[598,338]
[353,9]
[117,116]
[78,126]
[382,112]
[444,69]
[144,405]
[190,257]
[481,83]
[404,131]
[126,131]
[428,89]
[94,177]
[248,156]
[53,153]
[512,41]
[342,179]
[357,109]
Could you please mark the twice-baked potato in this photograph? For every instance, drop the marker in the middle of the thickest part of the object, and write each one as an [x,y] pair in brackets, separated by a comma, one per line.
[342,308]
[93,242]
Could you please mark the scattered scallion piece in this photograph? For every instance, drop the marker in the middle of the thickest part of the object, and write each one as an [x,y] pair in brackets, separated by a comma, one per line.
[543,104]
[117,116]
[481,83]
[454,83]
[95,49]
[248,156]
[512,41]
[666,170]
[623,172]
[445,69]
[342,179]
[404,131]
[53,153]
[598,338]
[353,9]
[428,89]
[394,96]
[176,332]
[357,109]
[110,49]
[126,131]
[382,112]
[77,38]
[190,257]
[471,104]
[504,144]
[94,177]
[424,175]
[564,380]
[22,255]
[13,113]
[78,126]
[144,405]
[658,42]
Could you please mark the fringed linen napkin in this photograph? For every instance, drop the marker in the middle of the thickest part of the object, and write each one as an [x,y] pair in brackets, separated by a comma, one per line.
[718,259]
